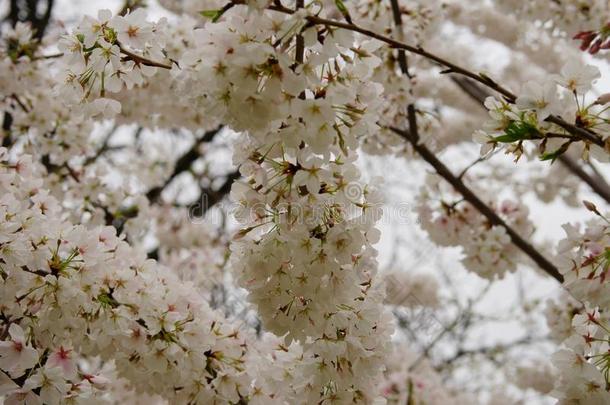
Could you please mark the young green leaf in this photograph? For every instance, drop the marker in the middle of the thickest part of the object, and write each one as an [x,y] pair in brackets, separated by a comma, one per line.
[211,14]
[518,131]
[552,156]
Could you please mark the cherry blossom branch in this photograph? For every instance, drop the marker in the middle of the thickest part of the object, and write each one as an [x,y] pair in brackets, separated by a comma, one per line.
[130,55]
[598,184]
[211,197]
[104,148]
[45,57]
[578,132]
[208,197]
[28,11]
[483,208]
[413,137]
[474,163]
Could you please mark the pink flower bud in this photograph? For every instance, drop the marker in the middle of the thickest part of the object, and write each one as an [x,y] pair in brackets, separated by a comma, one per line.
[595,47]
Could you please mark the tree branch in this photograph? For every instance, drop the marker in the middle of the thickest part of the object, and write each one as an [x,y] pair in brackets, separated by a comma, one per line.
[578,132]
[402,58]
[300,48]
[598,184]
[182,164]
[142,60]
[469,196]
[413,137]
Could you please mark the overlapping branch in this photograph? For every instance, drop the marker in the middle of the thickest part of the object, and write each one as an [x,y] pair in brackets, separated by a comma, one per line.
[597,184]
[579,133]
[412,135]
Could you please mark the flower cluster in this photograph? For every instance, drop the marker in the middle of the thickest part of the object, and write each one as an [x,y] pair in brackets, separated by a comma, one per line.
[104,54]
[58,278]
[583,363]
[528,118]
[39,124]
[450,221]
[407,380]
[567,15]
[585,260]
[86,314]
[304,251]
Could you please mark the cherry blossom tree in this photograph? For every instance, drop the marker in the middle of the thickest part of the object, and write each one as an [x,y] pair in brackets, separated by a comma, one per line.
[193,195]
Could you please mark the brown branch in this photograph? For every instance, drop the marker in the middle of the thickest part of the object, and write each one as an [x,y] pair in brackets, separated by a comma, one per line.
[130,56]
[29,11]
[413,137]
[183,164]
[300,48]
[402,57]
[600,187]
[469,196]
[142,60]
[206,200]
[212,197]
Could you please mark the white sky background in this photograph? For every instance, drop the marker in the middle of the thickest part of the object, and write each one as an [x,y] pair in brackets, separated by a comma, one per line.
[404,244]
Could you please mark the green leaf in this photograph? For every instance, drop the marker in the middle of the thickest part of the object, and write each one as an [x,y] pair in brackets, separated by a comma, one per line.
[508,138]
[212,14]
[554,155]
[518,131]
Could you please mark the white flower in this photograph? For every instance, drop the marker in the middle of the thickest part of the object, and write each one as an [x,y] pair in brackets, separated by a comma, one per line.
[92,27]
[107,107]
[104,54]
[52,383]
[62,358]
[22,397]
[541,98]
[577,77]
[486,141]
[16,355]
[133,30]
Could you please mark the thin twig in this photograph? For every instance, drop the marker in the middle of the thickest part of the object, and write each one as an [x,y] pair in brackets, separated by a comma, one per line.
[458,319]
[502,347]
[142,60]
